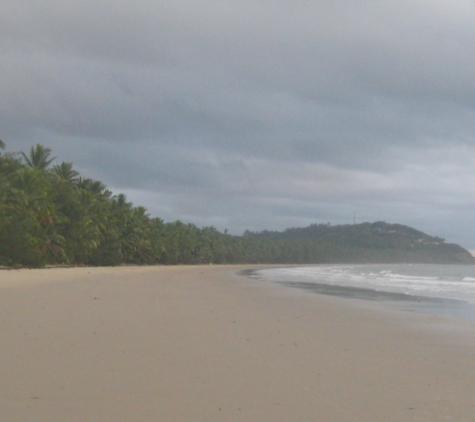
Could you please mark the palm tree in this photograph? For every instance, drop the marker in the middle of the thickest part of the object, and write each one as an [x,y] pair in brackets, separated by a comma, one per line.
[96,187]
[66,173]
[29,220]
[39,157]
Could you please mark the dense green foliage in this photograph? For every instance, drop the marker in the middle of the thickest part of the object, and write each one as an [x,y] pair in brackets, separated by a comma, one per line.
[52,215]
[365,243]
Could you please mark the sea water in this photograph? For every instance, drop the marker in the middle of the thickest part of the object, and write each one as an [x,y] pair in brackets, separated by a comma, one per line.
[448,289]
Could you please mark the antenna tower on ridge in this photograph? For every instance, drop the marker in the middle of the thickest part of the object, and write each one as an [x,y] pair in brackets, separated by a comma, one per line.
[355,218]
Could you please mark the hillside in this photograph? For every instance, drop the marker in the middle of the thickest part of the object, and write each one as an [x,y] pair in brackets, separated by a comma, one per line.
[371,242]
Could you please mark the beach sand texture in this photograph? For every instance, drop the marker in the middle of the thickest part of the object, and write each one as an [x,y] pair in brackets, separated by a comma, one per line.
[203,344]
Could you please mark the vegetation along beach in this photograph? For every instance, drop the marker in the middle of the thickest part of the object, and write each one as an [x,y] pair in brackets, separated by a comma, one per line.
[50,215]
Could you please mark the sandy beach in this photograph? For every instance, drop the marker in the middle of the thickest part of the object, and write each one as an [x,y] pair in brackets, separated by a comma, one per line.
[202,344]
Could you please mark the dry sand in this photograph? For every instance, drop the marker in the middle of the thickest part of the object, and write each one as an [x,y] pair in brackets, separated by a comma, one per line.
[202,344]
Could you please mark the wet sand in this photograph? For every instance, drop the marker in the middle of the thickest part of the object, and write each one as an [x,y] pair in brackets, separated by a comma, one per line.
[204,344]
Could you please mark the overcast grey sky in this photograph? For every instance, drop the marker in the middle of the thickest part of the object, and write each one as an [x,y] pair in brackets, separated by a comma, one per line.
[261,114]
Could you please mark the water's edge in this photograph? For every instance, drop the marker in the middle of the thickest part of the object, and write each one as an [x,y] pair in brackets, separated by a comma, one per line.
[391,300]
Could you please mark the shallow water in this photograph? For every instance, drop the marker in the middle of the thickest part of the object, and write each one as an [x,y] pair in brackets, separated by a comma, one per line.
[439,289]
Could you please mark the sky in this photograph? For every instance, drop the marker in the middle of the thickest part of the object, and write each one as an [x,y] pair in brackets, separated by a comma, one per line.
[262,114]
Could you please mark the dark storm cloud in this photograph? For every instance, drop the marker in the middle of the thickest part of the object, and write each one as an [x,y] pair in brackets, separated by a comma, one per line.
[253,114]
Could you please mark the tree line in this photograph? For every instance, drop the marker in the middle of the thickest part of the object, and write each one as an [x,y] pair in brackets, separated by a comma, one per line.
[51,215]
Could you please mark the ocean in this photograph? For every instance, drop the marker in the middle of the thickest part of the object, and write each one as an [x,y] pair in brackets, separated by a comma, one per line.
[439,289]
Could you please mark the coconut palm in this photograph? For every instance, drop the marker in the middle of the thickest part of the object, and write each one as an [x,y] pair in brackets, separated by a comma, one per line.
[39,157]
[29,220]
[66,173]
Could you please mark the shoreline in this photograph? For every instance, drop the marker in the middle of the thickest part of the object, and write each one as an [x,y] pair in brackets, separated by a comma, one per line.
[202,343]
[380,296]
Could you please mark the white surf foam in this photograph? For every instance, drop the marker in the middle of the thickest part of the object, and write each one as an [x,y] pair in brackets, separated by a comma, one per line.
[440,281]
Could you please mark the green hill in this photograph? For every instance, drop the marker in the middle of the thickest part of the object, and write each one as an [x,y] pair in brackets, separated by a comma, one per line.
[367,243]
